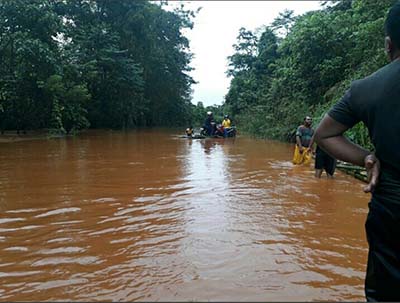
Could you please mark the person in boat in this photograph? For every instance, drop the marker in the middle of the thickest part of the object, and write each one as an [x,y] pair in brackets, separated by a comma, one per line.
[209,124]
[304,142]
[220,130]
[189,131]
[226,123]
[374,100]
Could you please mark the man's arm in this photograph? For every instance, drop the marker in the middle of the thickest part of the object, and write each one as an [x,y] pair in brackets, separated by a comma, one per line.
[311,149]
[329,136]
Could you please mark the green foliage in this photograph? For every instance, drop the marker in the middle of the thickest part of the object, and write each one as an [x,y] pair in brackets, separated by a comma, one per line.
[67,111]
[199,113]
[66,65]
[284,21]
[308,69]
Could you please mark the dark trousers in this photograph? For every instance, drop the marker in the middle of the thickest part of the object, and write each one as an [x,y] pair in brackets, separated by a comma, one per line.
[324,161]
[209,130]
[382,282]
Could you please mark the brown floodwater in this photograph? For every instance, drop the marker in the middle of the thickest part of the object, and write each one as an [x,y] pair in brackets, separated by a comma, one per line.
[148,216]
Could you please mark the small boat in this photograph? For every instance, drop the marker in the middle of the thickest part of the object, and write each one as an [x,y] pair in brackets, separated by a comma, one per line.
[231,132]
[220,132]
[194,136]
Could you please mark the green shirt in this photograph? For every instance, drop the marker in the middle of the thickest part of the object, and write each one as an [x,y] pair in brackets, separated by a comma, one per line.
[305,134]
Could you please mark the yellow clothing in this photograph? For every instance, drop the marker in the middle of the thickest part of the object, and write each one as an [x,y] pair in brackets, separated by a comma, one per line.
[303,158]
[226,123]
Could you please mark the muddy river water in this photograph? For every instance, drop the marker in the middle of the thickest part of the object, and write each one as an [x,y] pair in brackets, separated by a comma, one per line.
[148,216]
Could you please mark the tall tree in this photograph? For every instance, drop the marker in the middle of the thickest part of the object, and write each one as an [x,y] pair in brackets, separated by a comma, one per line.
[68,64]
[308,67]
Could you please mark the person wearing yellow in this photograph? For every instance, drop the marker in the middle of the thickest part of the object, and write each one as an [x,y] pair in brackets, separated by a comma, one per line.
[226,124]
[304,142]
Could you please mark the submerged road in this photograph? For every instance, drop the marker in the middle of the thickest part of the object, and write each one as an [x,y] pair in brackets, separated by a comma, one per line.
[149,216]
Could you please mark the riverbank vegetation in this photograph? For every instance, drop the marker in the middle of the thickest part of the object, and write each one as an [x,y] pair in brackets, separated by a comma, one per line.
[301,65]
[68,65]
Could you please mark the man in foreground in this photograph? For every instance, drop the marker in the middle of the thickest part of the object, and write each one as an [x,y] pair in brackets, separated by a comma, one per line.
[375,100]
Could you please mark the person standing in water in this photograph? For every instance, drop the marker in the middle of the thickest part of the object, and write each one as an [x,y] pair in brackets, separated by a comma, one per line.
[304,141]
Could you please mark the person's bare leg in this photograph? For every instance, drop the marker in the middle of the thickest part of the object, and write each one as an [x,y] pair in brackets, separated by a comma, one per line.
[318,173]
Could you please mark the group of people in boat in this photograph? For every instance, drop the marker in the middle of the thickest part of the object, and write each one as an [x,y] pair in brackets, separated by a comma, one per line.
[212,129]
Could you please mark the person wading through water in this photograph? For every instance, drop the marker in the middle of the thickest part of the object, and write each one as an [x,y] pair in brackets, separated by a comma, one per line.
[375,100]
[304,141]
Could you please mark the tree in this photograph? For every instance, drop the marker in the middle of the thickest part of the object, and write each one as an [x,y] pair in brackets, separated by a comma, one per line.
[308,68]
[284,21]
[116,64]
[245,52]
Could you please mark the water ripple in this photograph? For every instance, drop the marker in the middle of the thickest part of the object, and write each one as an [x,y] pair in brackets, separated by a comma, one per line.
[65,260]
[68,250]
[19,274]
[59,211]
[8,220]
[28,227]
[16,248]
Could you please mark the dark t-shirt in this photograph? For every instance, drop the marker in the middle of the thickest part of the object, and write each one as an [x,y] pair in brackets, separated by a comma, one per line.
[305,134]
[208,121]
[375,100]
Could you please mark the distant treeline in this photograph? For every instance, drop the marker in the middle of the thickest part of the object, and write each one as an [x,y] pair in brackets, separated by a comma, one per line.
[68,65]
[301,65]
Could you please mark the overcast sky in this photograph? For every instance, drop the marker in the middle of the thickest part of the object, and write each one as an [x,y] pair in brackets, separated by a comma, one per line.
[216,27]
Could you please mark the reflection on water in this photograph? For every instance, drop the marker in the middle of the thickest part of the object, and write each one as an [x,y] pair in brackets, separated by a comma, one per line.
[147,215]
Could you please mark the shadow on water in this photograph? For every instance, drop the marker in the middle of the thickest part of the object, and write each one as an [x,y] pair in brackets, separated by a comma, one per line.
[147,215]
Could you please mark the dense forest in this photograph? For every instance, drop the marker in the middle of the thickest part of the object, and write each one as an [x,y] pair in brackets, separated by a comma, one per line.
[301,65]
[68,65]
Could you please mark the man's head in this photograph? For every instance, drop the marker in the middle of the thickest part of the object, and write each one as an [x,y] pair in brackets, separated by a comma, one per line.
[307,121]
[392,32]
[226,117]
[209,113]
